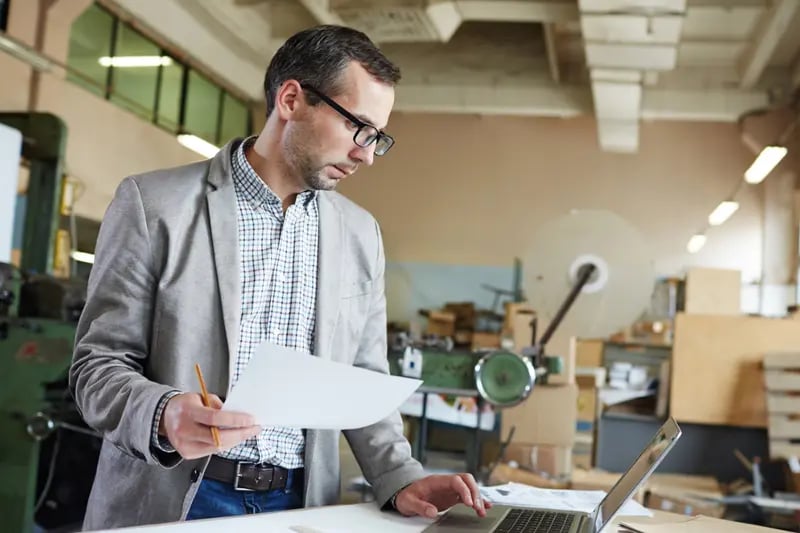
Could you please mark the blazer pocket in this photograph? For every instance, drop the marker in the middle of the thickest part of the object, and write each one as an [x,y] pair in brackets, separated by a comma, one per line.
[359,288]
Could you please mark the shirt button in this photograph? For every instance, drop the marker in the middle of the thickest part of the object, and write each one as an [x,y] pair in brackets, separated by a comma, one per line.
[281,276]
[276,332]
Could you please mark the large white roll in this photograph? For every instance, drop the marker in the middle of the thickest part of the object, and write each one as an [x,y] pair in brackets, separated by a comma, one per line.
[618,292]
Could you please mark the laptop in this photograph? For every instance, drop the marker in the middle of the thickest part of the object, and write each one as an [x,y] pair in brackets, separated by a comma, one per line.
[506,519]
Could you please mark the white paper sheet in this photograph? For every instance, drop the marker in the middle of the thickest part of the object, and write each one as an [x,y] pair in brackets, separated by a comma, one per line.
[520,495]
[287,388]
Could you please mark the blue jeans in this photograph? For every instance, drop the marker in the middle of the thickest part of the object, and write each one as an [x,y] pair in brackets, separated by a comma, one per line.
[215,498]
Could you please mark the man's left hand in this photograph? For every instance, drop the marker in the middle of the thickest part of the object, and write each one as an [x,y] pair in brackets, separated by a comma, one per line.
[429,495]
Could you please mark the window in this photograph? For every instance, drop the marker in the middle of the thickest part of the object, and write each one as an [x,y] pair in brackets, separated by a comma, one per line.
[235,119]
[135,72]
[90,40]
[202,107]
[169,97]
[115,61]
[4,14]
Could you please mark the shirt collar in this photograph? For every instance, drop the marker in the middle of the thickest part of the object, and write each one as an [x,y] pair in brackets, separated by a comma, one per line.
[254,189]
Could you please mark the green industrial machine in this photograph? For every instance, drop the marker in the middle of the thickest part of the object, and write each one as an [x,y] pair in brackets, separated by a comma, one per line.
[38,315]
[501,378]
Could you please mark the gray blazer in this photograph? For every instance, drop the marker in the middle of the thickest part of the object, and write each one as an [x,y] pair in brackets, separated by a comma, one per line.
[164,293]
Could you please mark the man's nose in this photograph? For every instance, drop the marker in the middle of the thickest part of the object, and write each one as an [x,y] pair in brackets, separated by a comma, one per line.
[363,154]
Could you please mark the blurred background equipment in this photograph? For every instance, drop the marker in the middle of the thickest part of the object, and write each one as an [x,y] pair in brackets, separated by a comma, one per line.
[48,455]
[618,291]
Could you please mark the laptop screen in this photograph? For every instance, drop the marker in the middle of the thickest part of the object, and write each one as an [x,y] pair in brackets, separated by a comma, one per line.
[645,464]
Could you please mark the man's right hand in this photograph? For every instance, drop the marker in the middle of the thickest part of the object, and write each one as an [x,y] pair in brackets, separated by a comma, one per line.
[187,423]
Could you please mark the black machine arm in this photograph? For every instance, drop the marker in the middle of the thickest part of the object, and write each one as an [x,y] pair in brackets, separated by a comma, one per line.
[585,273]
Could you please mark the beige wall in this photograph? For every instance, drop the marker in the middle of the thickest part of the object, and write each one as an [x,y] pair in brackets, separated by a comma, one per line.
[472,190]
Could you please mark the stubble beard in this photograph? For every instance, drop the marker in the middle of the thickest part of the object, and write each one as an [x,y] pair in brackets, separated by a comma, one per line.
[304,165]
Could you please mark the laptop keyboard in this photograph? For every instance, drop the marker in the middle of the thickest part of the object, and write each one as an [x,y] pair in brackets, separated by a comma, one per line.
[533,521]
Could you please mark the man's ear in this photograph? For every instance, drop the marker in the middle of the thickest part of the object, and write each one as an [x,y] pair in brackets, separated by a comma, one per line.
[289,100]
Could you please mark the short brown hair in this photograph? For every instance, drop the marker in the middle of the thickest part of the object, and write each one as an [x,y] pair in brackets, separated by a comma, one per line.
[317,56]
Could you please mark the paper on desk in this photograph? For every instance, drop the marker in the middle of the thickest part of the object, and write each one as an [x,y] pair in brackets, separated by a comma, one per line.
[288,388]
[518,494]
[695,524]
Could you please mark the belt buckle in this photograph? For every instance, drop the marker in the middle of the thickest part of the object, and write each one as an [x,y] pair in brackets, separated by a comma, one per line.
[237,477]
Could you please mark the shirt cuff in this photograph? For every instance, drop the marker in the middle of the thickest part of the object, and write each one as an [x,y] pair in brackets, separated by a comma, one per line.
[157,441]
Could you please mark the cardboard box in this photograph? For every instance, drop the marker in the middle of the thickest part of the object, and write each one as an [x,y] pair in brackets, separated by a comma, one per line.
[485,340]
[553,461]
[588,405]
[464,313]
[548,416]
[731,349]
[582,461]
[713,291]
[519,329]
[504,473]
[441,323]
[684,494]
[599,480]
[683,504]
[588,352]
[512,309]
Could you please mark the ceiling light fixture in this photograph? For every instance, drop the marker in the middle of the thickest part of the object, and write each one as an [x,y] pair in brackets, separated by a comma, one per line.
[195,143]
[722,212]
[83,257]
[135,61]
[766,161]
[697,242]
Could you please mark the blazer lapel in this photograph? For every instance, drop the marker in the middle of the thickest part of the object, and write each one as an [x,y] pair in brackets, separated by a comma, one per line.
[329,273]
[221,200]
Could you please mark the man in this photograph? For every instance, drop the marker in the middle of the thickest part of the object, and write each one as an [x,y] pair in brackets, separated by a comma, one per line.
[200,264]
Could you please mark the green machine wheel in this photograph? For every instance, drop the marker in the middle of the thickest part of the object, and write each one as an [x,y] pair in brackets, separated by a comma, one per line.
[504,379]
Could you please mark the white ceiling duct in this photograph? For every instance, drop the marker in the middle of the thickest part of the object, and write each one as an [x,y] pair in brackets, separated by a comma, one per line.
[625,41]
[426,20]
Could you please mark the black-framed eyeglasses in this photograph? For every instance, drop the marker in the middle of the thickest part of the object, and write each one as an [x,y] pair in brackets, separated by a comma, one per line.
[366,134]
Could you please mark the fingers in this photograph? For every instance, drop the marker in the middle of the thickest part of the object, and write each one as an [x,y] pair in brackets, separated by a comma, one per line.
[228,438]
[421,507]
[188,426]
[214,401]
[459,486]
[210,416]
[475,494]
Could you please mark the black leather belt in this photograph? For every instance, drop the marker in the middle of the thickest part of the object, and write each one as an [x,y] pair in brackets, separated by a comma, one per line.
[246,476]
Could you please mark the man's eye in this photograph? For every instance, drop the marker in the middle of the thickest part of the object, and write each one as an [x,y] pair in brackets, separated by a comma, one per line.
[352,125]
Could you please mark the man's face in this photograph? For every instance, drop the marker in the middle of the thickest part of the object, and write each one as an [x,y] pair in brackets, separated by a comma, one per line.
[321,150]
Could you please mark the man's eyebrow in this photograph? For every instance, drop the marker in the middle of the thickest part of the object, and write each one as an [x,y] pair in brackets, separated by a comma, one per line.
[364,118]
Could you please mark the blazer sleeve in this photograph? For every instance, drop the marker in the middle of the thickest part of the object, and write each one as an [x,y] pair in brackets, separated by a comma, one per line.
[382,451]
[113,335]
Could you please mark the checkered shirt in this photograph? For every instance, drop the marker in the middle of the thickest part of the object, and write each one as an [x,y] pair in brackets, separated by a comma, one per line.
[278,256]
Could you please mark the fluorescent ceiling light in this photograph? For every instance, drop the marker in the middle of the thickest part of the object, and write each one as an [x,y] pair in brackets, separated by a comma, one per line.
[696,243]
[83,257]
[767,160]
[135,61]
[722,212]
[202,147]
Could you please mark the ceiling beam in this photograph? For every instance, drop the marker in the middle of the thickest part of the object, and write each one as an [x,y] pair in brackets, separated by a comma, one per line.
[796,73]
[518,10]
[715,105]
[772,27]
[320,10]
[552,51]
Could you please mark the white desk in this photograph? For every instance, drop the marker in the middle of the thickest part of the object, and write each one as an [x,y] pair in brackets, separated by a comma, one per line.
[358,518]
